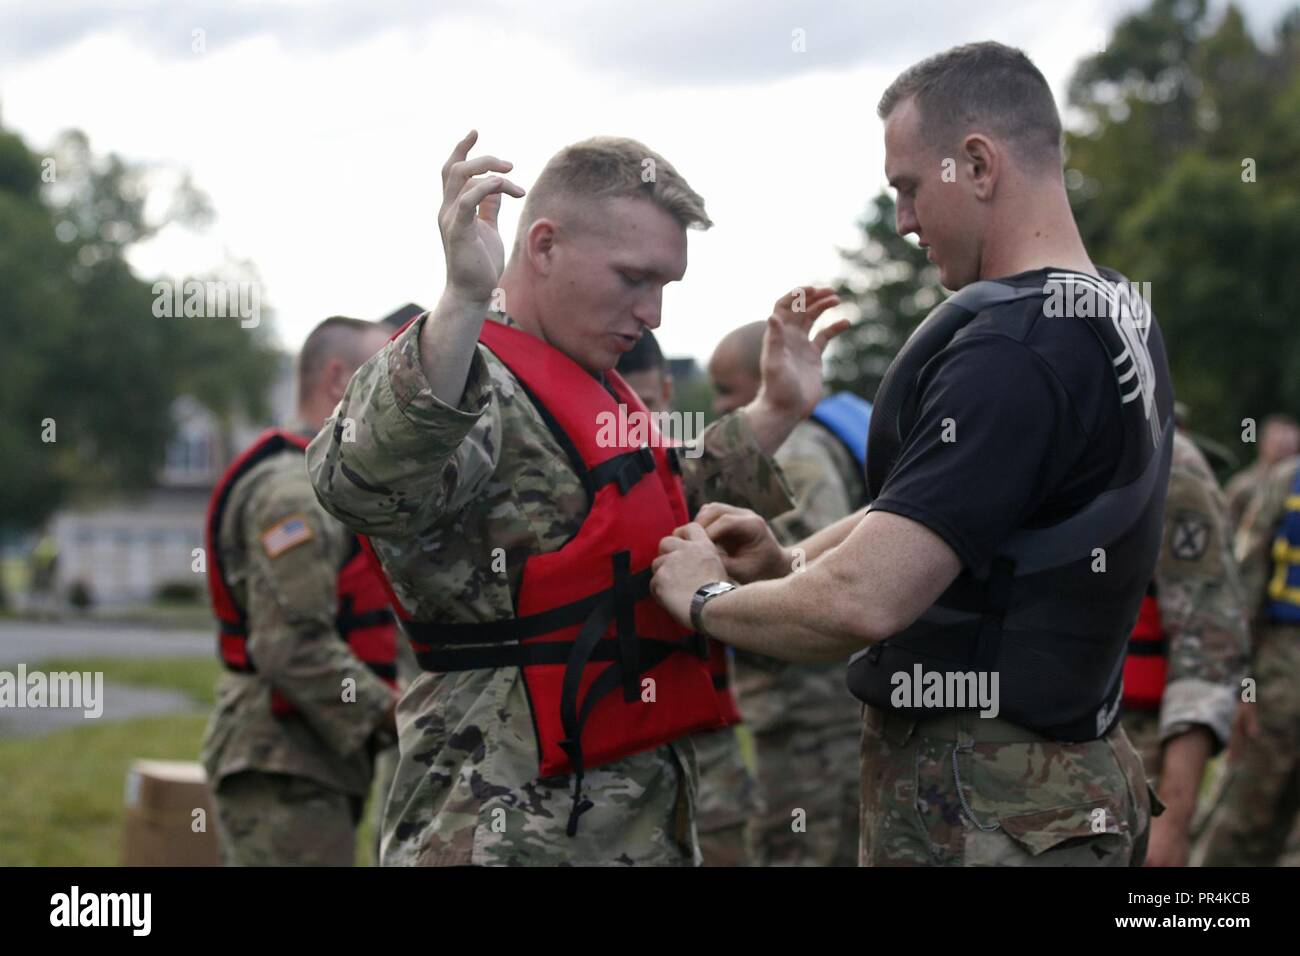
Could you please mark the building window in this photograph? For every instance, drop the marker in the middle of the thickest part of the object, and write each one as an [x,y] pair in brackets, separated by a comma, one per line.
[189,456]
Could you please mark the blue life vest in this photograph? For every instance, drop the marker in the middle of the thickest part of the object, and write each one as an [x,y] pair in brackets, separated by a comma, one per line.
[1284,589]
[848,418]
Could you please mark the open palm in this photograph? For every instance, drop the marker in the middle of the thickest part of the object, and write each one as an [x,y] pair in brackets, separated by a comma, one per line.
[792,361]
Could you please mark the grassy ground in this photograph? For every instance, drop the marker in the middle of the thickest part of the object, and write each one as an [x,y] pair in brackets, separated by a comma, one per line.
[197,617]
[196,676]
[62,803]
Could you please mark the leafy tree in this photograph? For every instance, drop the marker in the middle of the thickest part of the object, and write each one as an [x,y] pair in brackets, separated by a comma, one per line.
[1185,173]
[891,285]
[85,361]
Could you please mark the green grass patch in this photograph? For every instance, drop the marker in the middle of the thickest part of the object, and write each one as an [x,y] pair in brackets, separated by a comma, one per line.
[196,676]
[63,801]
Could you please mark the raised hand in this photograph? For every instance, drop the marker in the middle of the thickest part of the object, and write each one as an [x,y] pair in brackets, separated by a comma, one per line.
[792,362]
[468,222]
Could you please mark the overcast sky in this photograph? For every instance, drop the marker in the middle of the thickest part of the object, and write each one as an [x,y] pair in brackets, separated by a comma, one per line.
[318,128]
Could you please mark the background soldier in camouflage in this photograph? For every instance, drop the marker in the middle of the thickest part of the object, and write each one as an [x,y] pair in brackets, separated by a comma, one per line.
[1279,439]
[1261,797]
[805,724]
[726,796]
[458,480]
[289,790]
[1200,602]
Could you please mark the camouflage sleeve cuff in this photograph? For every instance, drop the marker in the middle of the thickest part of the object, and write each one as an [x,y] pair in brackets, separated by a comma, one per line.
[1190,702]
[725,464]
[347,722]
[436,421]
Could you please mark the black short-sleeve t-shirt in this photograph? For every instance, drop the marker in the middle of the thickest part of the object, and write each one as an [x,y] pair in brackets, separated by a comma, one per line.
[1018,425]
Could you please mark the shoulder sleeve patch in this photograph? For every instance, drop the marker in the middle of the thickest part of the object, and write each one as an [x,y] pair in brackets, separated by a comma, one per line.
[1190,536]
[286,534]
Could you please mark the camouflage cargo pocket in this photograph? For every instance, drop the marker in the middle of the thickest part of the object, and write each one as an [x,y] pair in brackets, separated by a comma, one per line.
[1046,804]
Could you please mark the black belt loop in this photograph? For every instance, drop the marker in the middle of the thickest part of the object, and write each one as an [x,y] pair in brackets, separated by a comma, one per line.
[625,624]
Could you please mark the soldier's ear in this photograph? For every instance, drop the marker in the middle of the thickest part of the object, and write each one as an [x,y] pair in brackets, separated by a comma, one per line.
[335,377]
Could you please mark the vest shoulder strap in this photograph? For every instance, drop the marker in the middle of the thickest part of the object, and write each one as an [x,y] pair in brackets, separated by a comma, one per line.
[897,388]
[1101,521]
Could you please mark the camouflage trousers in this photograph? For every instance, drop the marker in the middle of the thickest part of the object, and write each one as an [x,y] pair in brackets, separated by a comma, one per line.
[467,790]
[385,770]
[726,797]
[805,727]
[1261,795]
[274,819]
[961,790]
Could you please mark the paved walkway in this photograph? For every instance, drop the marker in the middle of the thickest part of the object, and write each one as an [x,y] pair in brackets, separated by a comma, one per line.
[29,642]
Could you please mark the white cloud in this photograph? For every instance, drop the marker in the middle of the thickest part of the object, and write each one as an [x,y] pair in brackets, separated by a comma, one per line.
[319,133]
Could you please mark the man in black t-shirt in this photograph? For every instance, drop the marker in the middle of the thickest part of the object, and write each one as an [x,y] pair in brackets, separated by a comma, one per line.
[1018,458]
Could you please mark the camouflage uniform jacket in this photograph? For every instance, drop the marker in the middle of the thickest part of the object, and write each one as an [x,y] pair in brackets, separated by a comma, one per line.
[290,598]
[1200,599]
[455,500]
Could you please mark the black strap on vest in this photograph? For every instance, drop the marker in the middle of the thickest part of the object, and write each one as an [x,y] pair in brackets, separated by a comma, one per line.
[1149,648]
[885,434]
[345,622]
[627,468]
[455,647]
[1104,519]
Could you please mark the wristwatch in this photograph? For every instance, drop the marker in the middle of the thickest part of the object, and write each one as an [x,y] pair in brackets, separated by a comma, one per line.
[703,596]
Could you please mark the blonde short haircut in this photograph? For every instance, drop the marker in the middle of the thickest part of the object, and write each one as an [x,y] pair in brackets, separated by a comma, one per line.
[607,167]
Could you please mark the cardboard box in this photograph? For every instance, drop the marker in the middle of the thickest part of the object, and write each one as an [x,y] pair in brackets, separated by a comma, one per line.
[163,827]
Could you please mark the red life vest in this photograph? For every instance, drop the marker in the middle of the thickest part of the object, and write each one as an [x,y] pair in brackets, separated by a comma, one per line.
[1147,665]
[585,624]
[363,618]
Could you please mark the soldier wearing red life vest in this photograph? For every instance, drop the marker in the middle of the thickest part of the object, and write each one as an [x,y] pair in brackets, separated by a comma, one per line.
[1187,653]
[305,634]
[517,533]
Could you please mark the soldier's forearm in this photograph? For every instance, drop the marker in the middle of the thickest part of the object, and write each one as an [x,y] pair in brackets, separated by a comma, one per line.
[771,425]
[335,693]
[831,536]
[1181,768]
[447,344]
[730,467]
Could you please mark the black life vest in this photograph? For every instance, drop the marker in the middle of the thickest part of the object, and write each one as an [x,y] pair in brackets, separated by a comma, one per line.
[1053,629]
[363,618]
[608,673]
[1146,667]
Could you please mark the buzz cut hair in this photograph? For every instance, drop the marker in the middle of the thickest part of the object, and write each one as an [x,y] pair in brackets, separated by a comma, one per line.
[645,356]
[607,167]
[336,337]
[982,86]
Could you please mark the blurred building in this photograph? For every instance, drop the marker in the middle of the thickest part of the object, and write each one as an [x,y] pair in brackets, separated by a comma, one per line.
[128,550]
